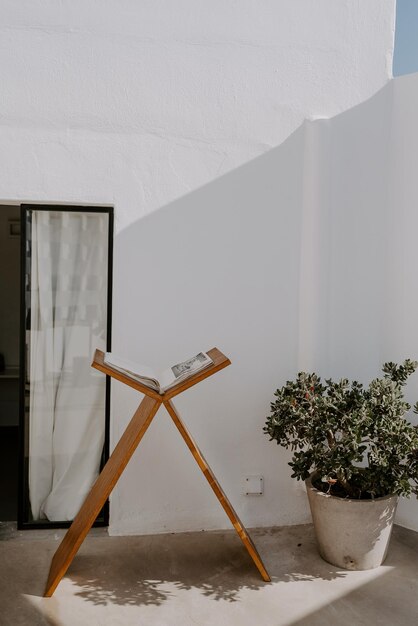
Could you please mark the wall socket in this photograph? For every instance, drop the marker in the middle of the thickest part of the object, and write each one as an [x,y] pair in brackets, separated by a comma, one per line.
[254,485]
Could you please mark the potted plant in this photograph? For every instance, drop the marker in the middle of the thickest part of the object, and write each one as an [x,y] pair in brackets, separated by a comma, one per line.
[357,453]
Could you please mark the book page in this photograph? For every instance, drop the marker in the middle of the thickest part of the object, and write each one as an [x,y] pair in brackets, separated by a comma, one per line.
[183,370]
[141,373]
[167,379]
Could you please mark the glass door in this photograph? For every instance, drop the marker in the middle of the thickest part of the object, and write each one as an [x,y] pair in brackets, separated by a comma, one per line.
[65,316]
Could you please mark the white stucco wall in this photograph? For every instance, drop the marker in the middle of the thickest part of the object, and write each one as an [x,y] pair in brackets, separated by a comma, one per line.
[400,331]
[137,103]
[364,289]
[156,104]
[322,276]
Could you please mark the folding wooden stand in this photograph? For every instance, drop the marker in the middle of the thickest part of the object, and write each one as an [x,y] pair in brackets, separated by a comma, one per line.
[117,462]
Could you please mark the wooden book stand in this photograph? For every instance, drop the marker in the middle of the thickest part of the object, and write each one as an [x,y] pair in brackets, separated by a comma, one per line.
[123,451]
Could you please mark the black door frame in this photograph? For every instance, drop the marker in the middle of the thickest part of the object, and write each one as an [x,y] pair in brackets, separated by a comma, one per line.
[23,495]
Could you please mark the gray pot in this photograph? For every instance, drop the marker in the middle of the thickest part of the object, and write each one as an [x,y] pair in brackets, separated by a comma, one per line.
[352,534]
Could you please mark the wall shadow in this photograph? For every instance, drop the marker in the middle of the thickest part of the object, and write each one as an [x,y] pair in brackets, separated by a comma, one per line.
[217,267]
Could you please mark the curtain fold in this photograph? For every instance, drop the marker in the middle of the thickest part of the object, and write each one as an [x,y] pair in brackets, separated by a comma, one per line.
[68,275]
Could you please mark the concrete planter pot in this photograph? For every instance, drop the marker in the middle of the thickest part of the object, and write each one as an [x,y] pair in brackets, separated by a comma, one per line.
[352,534]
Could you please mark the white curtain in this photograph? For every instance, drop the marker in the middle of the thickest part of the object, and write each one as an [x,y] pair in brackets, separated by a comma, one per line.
[67,322]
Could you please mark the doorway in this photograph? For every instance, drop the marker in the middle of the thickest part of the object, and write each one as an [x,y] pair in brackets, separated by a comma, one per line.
[55,290]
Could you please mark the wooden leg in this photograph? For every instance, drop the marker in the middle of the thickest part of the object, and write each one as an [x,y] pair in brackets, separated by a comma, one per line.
[100,491]
[210,477]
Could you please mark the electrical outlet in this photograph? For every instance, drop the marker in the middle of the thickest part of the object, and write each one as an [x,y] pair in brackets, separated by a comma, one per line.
[254,486]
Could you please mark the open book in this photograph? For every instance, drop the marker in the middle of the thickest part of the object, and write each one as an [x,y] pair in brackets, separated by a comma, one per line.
[166,379]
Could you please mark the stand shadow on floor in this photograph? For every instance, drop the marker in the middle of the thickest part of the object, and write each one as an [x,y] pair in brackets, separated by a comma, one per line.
[150,570]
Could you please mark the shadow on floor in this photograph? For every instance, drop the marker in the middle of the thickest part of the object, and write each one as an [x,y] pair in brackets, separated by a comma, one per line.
[205,578]
[391,596]
[150,570]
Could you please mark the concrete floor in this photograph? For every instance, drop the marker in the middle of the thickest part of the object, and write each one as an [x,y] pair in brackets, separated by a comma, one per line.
[203,579]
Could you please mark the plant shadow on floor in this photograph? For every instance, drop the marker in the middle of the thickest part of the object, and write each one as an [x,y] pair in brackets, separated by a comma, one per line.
[151,570]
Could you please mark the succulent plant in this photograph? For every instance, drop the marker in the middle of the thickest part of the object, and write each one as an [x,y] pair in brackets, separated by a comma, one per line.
[356,439]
